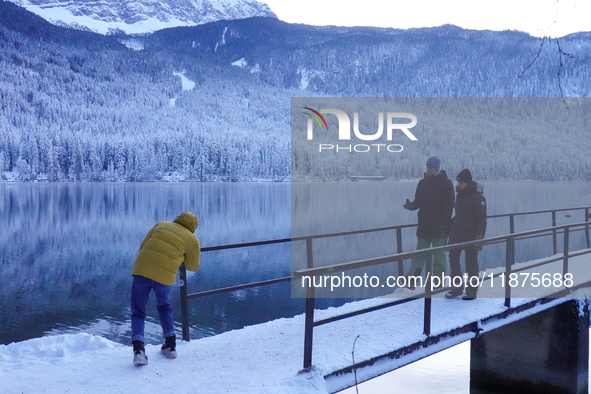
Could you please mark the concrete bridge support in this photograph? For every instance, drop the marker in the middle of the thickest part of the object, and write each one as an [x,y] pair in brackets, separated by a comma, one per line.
[543,353]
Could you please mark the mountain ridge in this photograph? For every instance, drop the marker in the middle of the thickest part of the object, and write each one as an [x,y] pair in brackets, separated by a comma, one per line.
[212,102]
[141,16]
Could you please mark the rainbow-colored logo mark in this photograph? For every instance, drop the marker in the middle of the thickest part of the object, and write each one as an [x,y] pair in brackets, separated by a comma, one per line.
[315,118]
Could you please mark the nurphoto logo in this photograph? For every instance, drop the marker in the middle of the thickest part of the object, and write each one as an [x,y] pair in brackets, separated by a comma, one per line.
[344,130]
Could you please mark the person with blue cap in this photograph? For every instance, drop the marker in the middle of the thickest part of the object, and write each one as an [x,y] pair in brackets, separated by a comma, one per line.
[434,199]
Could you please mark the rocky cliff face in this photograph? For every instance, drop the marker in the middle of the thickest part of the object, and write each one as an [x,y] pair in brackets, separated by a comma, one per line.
[144,16]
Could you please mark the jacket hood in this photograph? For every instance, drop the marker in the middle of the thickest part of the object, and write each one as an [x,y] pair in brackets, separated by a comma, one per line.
[468,190]
[188,220]
[479,186]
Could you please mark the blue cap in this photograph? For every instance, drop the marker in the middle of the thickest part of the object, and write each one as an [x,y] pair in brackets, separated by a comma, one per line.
[434,161]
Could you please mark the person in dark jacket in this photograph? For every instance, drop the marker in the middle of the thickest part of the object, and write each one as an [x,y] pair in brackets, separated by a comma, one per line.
[469,224]
[434,198]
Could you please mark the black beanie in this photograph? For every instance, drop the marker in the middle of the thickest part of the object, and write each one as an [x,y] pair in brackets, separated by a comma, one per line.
[464,176]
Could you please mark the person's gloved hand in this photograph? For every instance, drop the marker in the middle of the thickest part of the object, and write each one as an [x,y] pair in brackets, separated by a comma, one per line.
[408,204]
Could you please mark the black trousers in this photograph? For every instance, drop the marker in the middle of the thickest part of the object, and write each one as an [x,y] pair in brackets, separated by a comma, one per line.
[471,260]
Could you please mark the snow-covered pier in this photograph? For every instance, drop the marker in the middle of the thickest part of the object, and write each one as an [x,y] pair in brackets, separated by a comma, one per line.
[265,358]
[348,346]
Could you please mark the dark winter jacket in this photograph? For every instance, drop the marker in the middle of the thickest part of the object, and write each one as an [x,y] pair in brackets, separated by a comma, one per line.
[434,198]
[470,218]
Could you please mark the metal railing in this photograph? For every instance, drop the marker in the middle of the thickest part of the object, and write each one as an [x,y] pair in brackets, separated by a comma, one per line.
[509,240]
[399,257]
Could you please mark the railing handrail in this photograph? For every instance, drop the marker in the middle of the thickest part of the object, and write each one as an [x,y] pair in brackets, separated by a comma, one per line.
[406,255]
[443,289]
[534,212]
[370,230]
[305,237]
[327,235]
[508,239]
[245,244]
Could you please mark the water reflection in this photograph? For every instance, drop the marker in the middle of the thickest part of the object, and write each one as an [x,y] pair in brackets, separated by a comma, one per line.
[67,248]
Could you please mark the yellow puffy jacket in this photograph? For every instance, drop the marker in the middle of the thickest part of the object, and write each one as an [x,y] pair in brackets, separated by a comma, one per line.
[166,246]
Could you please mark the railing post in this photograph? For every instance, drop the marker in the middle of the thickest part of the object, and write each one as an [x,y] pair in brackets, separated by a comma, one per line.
[427,316]
[309,324]
[509,259]
[587,228]
[554,241]
[184,302]
[565,252]
[511,224]
[399,250]
[427,310]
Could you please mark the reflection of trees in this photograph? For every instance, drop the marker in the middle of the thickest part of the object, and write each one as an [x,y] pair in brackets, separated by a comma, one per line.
[67,249]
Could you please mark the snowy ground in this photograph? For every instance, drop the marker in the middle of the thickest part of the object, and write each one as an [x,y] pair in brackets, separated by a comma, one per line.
[264,358]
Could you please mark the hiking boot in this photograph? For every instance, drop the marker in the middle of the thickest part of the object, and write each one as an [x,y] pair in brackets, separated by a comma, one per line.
[169,347]
[139,354]
[411,285]
[453,293]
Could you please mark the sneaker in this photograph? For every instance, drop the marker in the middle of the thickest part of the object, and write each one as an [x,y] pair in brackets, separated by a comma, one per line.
[467,297]
[169,347]
[139,354]
[453,293]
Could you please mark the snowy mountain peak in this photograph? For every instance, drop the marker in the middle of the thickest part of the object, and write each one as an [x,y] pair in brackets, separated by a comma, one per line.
[142,16]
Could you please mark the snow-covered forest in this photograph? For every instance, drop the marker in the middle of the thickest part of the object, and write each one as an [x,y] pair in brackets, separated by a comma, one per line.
[77,106]
[498,138]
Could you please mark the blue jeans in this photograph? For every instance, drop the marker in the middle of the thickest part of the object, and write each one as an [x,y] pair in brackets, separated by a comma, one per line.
[140,292]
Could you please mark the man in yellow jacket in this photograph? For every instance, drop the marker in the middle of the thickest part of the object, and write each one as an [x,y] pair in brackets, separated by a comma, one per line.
[165,248]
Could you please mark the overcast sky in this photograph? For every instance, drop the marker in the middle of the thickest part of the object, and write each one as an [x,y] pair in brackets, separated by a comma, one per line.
[554,18]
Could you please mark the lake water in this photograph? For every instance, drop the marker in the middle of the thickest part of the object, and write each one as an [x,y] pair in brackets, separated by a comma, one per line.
[67,249]
[321,208]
